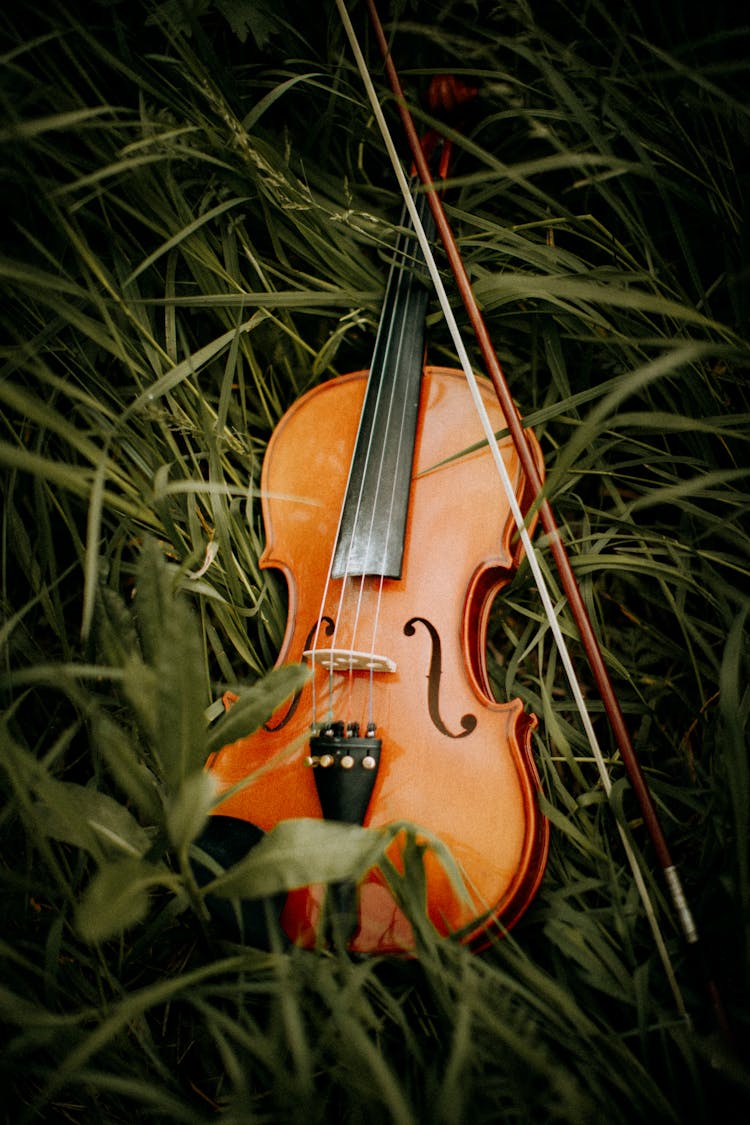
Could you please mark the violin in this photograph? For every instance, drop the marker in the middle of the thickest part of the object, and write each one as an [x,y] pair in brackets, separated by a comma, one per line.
[381,511]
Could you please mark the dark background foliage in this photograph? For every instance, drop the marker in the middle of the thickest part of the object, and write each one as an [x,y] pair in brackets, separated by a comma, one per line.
[197,210]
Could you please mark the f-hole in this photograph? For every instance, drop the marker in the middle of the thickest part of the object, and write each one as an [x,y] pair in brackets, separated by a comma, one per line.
[468,721]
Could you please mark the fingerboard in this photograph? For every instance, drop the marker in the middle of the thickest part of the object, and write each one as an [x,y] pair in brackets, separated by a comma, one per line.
[373,521]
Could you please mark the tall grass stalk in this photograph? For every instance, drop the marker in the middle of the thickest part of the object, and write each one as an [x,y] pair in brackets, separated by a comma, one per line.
[197,219]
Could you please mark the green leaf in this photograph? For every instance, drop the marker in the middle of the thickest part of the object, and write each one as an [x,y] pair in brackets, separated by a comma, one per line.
[21,131]
[256,704]
[116,898]
[88,819]
[154,598]
[172,646]
[141,687]
[258,17]
[298,852]
[189,808]
[180,697]
[187,368]
[132,774]
[115,628]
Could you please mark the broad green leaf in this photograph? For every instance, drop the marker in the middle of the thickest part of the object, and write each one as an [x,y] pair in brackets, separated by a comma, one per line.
[171,645]
[256,704]
[88,819]
[141,688]
[181,699]
[115,628]
[189,808]
[124,759]
[259,17]
[116,898]
[298,852]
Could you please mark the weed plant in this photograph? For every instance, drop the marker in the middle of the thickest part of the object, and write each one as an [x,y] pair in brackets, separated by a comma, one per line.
[197,213]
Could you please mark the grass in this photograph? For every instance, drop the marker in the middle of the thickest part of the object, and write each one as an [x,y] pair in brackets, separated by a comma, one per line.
[197,215]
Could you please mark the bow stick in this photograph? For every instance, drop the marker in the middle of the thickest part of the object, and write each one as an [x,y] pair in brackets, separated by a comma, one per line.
[546,516]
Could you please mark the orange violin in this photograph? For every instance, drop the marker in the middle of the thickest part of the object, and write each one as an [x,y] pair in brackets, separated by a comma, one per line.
[381,510]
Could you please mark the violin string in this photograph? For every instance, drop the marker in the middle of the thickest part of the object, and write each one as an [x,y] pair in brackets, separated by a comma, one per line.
[383,343]
[345,575]
[381,582]
[512,500]
[396,395]
[392,399]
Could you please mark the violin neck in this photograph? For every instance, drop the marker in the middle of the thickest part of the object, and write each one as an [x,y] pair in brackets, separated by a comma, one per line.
[373,520]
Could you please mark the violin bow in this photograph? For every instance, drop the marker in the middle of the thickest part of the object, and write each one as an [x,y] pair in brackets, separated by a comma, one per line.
[546,517]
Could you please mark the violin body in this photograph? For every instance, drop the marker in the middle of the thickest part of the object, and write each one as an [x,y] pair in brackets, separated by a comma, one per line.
[452,760]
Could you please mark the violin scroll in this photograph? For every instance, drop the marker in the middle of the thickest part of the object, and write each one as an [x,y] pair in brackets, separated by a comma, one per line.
[447,95]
